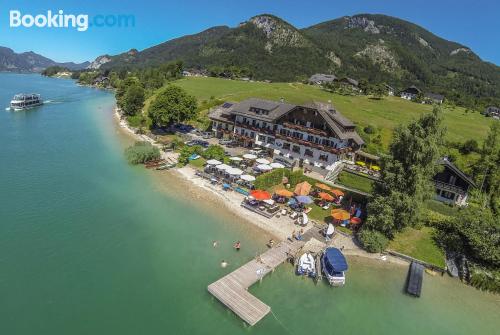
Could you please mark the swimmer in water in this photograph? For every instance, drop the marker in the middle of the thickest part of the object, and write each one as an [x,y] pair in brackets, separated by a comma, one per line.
[215,243]
[223,264]
[237,245]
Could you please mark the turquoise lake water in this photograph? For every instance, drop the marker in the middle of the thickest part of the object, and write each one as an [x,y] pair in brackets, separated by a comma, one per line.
[90,245]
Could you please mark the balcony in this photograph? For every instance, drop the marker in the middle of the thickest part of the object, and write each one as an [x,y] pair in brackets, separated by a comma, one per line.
[314,145]
[256,129]
[449,187]
[305,129]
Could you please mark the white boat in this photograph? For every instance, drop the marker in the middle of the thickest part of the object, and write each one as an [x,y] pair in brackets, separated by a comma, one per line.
[25,101]
[306,265]
[334,265]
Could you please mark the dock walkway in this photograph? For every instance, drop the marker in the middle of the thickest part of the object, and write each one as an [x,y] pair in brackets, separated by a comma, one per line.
[232,289]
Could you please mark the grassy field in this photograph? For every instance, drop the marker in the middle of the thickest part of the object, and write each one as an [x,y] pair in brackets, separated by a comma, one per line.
[384,114]
[419,244]
[354,181]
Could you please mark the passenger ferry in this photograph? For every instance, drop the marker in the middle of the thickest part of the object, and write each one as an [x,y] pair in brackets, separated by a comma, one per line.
[25,101]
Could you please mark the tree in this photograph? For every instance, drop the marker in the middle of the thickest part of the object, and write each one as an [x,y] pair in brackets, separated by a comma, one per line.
[214,151]
[469,146]
[172,104]
[406,174]
[141,152]
[379,91]
[122,89]
[487,170]
[133,100]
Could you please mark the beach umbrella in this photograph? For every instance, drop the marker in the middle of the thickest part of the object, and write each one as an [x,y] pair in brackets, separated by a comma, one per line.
[284,193]
[213,162]
[264,167]
[304,199]
[340,214]
[360,163]
[262,161]
[223,167]
[375,168]
[338,193]
[303,188]
[247,177]
[277,166]
[325,196]
[355,220]
[236,159]
[260,195]
[323,187]
[249,156]
[234,171]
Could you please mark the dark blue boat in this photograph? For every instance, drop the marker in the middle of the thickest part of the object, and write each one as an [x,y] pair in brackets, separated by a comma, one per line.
[334,266]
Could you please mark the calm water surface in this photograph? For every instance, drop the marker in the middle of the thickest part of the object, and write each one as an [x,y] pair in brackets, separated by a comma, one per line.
[88,245]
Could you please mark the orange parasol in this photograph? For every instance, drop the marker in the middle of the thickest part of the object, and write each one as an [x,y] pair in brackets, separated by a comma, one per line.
[340,214]
[260,195]
[303,188]
[325,196]
[338,193]
[284,193]
[323,187]
[355,220]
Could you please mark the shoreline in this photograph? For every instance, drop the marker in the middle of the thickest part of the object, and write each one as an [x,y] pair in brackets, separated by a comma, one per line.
[277,228]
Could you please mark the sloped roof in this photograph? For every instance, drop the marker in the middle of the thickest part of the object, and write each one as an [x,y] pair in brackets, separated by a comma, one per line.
[275,109]
[444,161]
[318,77]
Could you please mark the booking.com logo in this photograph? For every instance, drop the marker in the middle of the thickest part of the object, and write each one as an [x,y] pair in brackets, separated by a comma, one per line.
[59,19]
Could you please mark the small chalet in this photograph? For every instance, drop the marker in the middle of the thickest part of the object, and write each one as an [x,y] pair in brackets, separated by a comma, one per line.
[492,111]
[431,98]
[349,82]
[452,185]
[410,93]
[101,81]
[390,90]
[320,79]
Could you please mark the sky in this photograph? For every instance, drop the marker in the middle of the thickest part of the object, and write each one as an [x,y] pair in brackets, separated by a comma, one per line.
[471,23]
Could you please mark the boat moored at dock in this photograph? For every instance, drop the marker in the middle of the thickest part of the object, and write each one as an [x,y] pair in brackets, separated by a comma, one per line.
[306,265]
[334,266]
[25,101]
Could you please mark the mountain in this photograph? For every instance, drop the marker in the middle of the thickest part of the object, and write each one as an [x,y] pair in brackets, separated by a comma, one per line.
[31,62]
[376,48]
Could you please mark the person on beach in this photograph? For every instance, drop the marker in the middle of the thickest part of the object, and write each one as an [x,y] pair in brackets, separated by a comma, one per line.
[237,246]
[223,264]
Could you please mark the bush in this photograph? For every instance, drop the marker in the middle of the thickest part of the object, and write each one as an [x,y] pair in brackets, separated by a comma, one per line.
[485,279]
[372,240]
[141,152]
[187,151]
[469,146]
[369,129]
[214,151]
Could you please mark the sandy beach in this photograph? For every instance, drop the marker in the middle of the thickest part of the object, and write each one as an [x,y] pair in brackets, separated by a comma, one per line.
[213,196]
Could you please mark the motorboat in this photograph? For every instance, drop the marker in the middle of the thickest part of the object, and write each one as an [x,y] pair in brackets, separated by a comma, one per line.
[334,265]
[306,265]
[25,101]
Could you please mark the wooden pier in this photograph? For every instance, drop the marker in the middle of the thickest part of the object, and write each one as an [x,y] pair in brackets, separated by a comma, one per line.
[232,289]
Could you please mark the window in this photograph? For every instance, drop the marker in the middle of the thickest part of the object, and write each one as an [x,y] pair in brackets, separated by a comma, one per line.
[286,146]
[252,134]
[308,153]
[261,138]
[296,149]
[323,157]
[270,140]
[310,138]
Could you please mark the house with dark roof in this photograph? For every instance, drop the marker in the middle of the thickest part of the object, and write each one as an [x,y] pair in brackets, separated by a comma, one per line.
[452,185]
[492,111]
[410,93]
[320,79]
[349,82]
[315,134]
[431,98]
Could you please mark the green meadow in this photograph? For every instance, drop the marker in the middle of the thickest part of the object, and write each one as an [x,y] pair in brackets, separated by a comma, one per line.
[384,114]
